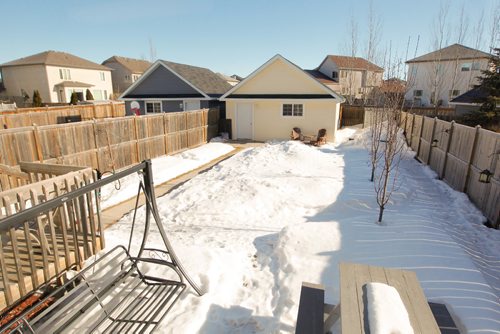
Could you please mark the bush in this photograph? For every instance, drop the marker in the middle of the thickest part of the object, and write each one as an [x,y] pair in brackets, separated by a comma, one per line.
[88,95]
[74,98]
[37,99]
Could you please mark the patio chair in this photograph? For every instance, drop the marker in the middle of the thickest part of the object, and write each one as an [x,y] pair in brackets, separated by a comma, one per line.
[318,140]
[296,134]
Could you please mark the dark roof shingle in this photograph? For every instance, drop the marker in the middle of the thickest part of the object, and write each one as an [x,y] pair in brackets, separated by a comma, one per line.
[320,77]
[133,65]
[56,58]
[200,77]
[472,96]
[452,52]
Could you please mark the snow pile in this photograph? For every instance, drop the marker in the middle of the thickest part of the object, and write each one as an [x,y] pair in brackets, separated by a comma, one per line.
[386,311]
[164,168]
[255,226]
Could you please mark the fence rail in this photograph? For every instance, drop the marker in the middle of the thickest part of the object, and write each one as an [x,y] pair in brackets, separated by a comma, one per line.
[23,117]
[40,249]
[111,143]
[458,154]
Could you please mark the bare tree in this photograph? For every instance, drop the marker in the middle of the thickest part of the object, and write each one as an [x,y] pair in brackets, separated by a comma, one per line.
[372,78]
[386,175]
[350,75]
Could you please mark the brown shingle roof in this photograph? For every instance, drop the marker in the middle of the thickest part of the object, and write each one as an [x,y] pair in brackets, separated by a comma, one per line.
[133,65]
[56,58]
[353,63]
[452,52]
[200,77]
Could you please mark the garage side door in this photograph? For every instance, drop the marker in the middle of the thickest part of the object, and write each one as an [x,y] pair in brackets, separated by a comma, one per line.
[244,121]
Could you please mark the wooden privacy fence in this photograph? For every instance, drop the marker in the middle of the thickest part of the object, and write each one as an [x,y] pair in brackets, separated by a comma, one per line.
[458,154]
[351,115]
[111,143]
[34,252]
[54,115]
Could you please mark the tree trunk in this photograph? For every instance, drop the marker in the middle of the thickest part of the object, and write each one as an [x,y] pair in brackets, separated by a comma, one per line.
[380,214]
[373,174]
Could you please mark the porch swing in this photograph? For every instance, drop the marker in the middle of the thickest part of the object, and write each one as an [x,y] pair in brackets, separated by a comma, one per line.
[118,292]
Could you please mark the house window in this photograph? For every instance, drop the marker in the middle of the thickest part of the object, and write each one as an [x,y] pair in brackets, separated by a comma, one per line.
[153,107]
[103,76]
[127,77]
[105,95]
[64,74]
[466,67]
[475,66]
[454,93]
[335,75]
[97,93]
[343,74]
[296,110]
[417,93]
[135,77]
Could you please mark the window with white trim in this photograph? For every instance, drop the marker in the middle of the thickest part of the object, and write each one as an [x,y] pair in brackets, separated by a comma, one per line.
[466,67]
[335,75]
[417,93]
[135,77]
[153,107]
[103,76]
[476,66]
[64,74]
[296,109]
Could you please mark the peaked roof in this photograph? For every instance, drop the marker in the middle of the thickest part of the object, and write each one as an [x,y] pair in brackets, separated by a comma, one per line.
[56,58]
[227,78]
[206,82]
[200,77]
[352,63]
[289,63]
[472,96]
[452,52]
[133,65]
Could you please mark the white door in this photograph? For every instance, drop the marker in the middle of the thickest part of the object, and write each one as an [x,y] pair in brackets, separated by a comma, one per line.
[191,105]
[244,121]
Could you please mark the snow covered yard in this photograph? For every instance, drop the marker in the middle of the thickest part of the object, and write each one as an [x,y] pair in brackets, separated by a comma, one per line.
[255,226]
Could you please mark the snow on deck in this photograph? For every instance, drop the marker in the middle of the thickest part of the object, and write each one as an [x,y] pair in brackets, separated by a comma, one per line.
[255,226]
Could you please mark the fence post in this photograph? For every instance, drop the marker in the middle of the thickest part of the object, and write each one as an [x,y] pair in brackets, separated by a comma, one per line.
[94,113]
[448,144]
[137,146]
[412,125]
[36,137]
[112,109]
[165,133]
[432,141]
[187,131]
[469,163]
[420,135]
[94,128]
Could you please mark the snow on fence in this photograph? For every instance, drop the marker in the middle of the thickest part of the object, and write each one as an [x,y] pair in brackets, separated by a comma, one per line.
[458,154]
[7,106]
[111,143]
[23,117]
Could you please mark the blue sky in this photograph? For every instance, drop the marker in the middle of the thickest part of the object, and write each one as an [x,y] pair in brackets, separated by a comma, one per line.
[226,36]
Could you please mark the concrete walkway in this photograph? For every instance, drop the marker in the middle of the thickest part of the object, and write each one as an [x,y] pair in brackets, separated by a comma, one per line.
[111,215]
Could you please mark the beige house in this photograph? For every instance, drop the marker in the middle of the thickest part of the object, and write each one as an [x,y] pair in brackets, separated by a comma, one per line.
[277,97]
[125,72]
[56,75]
[438,77]
[352,77]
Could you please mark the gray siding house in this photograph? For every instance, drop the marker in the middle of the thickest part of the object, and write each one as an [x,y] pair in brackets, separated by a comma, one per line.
[169,87]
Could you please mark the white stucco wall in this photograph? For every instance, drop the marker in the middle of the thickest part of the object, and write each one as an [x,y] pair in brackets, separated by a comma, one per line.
[421,76]
[269,123]
[87,76]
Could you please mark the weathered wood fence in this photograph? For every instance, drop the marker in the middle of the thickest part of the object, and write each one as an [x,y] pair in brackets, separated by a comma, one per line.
[458,154]
[23,117]
[34,252]
[111,143]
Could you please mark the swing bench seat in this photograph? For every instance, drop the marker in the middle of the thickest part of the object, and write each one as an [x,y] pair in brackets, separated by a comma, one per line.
[115,294]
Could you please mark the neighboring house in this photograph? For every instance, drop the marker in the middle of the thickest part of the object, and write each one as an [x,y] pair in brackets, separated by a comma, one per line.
[277,97]
[352,77]
[168,86]
[125,72]
[56,75]
[230,80]
[469,101]
[237,77]
[437,77]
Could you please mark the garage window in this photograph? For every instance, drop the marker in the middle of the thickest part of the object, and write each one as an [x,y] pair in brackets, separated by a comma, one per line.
[290,109]
[153,107]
